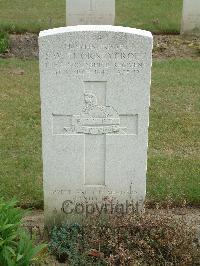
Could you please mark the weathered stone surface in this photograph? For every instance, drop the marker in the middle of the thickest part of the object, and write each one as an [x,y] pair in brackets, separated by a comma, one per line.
[90,12]
[191,17]
[95,93]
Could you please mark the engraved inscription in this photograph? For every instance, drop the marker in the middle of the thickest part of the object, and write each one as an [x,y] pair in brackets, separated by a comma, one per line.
[98,59]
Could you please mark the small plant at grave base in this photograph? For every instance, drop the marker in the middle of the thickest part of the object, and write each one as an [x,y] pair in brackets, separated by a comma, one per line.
[66,243]
[143,240]
[16,247]
[131,240]
[4,42]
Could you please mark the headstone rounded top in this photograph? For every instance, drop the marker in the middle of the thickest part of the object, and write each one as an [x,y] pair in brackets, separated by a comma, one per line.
[105,28]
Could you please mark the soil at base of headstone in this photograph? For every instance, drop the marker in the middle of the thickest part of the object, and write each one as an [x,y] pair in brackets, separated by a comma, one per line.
[34,222]
[35,218]
[165,46]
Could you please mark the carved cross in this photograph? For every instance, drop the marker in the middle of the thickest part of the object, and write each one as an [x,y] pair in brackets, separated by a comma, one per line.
[94,123]
[92,5]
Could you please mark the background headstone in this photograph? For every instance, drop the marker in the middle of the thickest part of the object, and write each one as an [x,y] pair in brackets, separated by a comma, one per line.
[90,12]
[191,17]
[95,93]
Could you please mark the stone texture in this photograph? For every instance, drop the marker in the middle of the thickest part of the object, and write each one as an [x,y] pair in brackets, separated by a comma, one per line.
[90,12]
[95,94]
[191,17]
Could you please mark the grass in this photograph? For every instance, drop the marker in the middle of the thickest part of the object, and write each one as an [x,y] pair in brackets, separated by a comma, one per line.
[20,138]
[155,15]
[32,15]
[35,15]
[4,41]
[174,161]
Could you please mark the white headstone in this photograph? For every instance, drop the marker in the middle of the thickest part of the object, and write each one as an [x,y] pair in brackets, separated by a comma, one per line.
[90,12]
[191,17]
[95,93]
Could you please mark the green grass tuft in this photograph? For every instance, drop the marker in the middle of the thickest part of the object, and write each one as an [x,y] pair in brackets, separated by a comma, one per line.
[4,42]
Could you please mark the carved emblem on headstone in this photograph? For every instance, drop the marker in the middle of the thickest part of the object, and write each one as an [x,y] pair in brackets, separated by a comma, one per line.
[96,119]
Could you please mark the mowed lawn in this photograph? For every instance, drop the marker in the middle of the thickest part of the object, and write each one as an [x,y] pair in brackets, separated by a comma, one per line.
[34,15]
[174,159]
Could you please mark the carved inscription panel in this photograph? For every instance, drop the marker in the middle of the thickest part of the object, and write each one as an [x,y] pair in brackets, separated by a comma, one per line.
[86,62]
[97,58]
